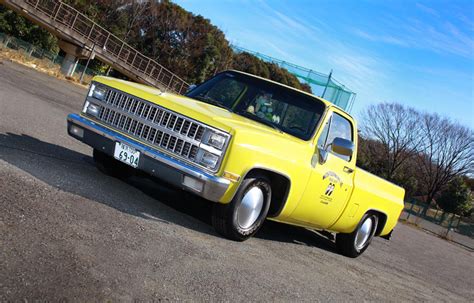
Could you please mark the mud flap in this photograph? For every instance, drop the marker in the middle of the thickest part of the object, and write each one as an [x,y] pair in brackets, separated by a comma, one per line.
[387,236]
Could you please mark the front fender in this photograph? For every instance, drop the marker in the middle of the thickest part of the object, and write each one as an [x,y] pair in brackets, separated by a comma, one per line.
[250,151]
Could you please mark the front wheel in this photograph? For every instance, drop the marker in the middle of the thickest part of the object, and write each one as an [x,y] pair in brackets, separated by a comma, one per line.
[354,244]
[244,215]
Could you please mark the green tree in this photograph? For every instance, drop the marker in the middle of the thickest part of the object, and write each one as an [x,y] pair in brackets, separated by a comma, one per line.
[187,44]
[456,198]
[253,65]
[250,64]
[19,27]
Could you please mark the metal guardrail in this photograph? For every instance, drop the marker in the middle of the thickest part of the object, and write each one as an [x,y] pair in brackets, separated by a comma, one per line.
[105,43]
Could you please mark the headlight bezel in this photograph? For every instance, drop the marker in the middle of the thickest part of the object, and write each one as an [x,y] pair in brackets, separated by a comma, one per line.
[216,140]
[97,91]
[92,109]
[209,159]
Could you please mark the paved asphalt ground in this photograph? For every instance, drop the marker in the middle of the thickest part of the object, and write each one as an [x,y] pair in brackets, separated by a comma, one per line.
[69,232]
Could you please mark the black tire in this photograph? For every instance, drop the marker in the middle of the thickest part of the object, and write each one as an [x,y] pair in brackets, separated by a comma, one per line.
[112,167]
[346,243]
[225,216]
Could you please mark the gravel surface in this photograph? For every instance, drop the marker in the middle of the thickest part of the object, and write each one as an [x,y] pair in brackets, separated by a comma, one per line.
[69,232]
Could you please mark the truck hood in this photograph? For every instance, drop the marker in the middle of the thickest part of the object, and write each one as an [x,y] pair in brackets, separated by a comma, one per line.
[207,113]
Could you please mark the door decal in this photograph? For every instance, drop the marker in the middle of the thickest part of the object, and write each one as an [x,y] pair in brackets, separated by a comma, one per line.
[330,189]
[333,180]
[333,177]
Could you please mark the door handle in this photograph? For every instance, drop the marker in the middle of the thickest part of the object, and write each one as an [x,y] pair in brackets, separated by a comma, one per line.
[348,170]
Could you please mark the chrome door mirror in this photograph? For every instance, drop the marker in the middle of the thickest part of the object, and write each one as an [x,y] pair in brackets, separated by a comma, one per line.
[342,147]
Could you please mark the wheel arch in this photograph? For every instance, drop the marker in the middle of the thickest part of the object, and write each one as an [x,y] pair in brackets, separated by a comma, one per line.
[382,216]
[280,185]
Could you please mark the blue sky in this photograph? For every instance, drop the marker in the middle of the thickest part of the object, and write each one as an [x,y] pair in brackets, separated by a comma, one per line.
[418,53]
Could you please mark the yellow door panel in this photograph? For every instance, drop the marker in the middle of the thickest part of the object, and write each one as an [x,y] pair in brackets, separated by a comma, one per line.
[326,194]
[332,180]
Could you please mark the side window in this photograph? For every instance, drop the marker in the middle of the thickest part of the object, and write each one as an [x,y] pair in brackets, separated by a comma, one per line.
[338,127]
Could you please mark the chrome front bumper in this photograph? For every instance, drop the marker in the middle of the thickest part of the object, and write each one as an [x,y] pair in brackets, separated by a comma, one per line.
[154,162]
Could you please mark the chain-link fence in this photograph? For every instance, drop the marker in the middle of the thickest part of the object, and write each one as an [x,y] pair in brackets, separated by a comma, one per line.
[447,225]
[321,84]
[49,60]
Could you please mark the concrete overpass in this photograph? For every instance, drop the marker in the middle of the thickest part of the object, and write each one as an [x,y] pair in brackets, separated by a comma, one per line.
[79,36]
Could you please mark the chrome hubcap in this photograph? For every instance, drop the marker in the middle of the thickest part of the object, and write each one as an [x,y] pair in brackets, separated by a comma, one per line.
[363,234]
[250,207]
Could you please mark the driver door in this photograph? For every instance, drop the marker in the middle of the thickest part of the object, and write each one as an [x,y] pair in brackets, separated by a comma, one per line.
[331,181]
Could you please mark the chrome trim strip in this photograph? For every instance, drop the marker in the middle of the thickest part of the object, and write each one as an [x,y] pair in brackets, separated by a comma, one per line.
[133,107]
[211,149]
[214,187]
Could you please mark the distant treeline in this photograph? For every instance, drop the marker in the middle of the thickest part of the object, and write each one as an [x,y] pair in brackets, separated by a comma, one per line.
[431,156]
[185,43]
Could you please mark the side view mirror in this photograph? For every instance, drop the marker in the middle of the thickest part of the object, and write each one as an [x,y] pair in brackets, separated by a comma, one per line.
[342,147]
[191,87]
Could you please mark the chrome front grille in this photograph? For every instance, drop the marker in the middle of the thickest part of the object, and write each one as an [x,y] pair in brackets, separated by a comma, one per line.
[152,124]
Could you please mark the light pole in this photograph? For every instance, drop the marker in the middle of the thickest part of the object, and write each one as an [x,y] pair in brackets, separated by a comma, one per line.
[87,64]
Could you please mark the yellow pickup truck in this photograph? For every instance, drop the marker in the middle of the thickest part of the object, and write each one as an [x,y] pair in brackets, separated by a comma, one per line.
[258,149]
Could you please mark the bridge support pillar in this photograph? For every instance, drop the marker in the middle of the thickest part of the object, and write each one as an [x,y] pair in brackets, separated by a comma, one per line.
[69,65]
[73,54]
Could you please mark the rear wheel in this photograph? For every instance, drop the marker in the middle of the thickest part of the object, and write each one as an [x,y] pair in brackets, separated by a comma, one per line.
[110,166]
[244,215]
[354,244]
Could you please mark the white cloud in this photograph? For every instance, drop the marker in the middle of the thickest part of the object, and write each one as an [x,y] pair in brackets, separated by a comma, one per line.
[379,38]
[359,72]
[442,38]
[289,25]
[427,9]
[467,22]
[280,51]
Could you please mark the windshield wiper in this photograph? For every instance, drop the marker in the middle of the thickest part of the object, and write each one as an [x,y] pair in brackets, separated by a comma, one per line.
[261,120]
[211,101]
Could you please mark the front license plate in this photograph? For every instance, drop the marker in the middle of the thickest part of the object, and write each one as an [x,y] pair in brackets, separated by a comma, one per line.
[126,154]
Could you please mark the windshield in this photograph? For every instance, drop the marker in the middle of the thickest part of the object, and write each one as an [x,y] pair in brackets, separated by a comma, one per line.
[271,104]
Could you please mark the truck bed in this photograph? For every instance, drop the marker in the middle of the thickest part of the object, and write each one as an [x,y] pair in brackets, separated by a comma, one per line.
[371,193]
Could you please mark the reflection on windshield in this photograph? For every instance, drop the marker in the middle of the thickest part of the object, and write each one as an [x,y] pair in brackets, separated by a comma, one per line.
[208,99]
[260,119]
[274,105]
[263,108]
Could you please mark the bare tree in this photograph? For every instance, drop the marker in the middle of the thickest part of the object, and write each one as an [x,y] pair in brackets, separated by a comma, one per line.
[445,152]
[397,129]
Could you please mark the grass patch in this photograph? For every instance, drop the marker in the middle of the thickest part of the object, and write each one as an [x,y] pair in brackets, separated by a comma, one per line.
[41,65]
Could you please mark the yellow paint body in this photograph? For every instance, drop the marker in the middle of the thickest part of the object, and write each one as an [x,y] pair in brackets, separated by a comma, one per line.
[255,145]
